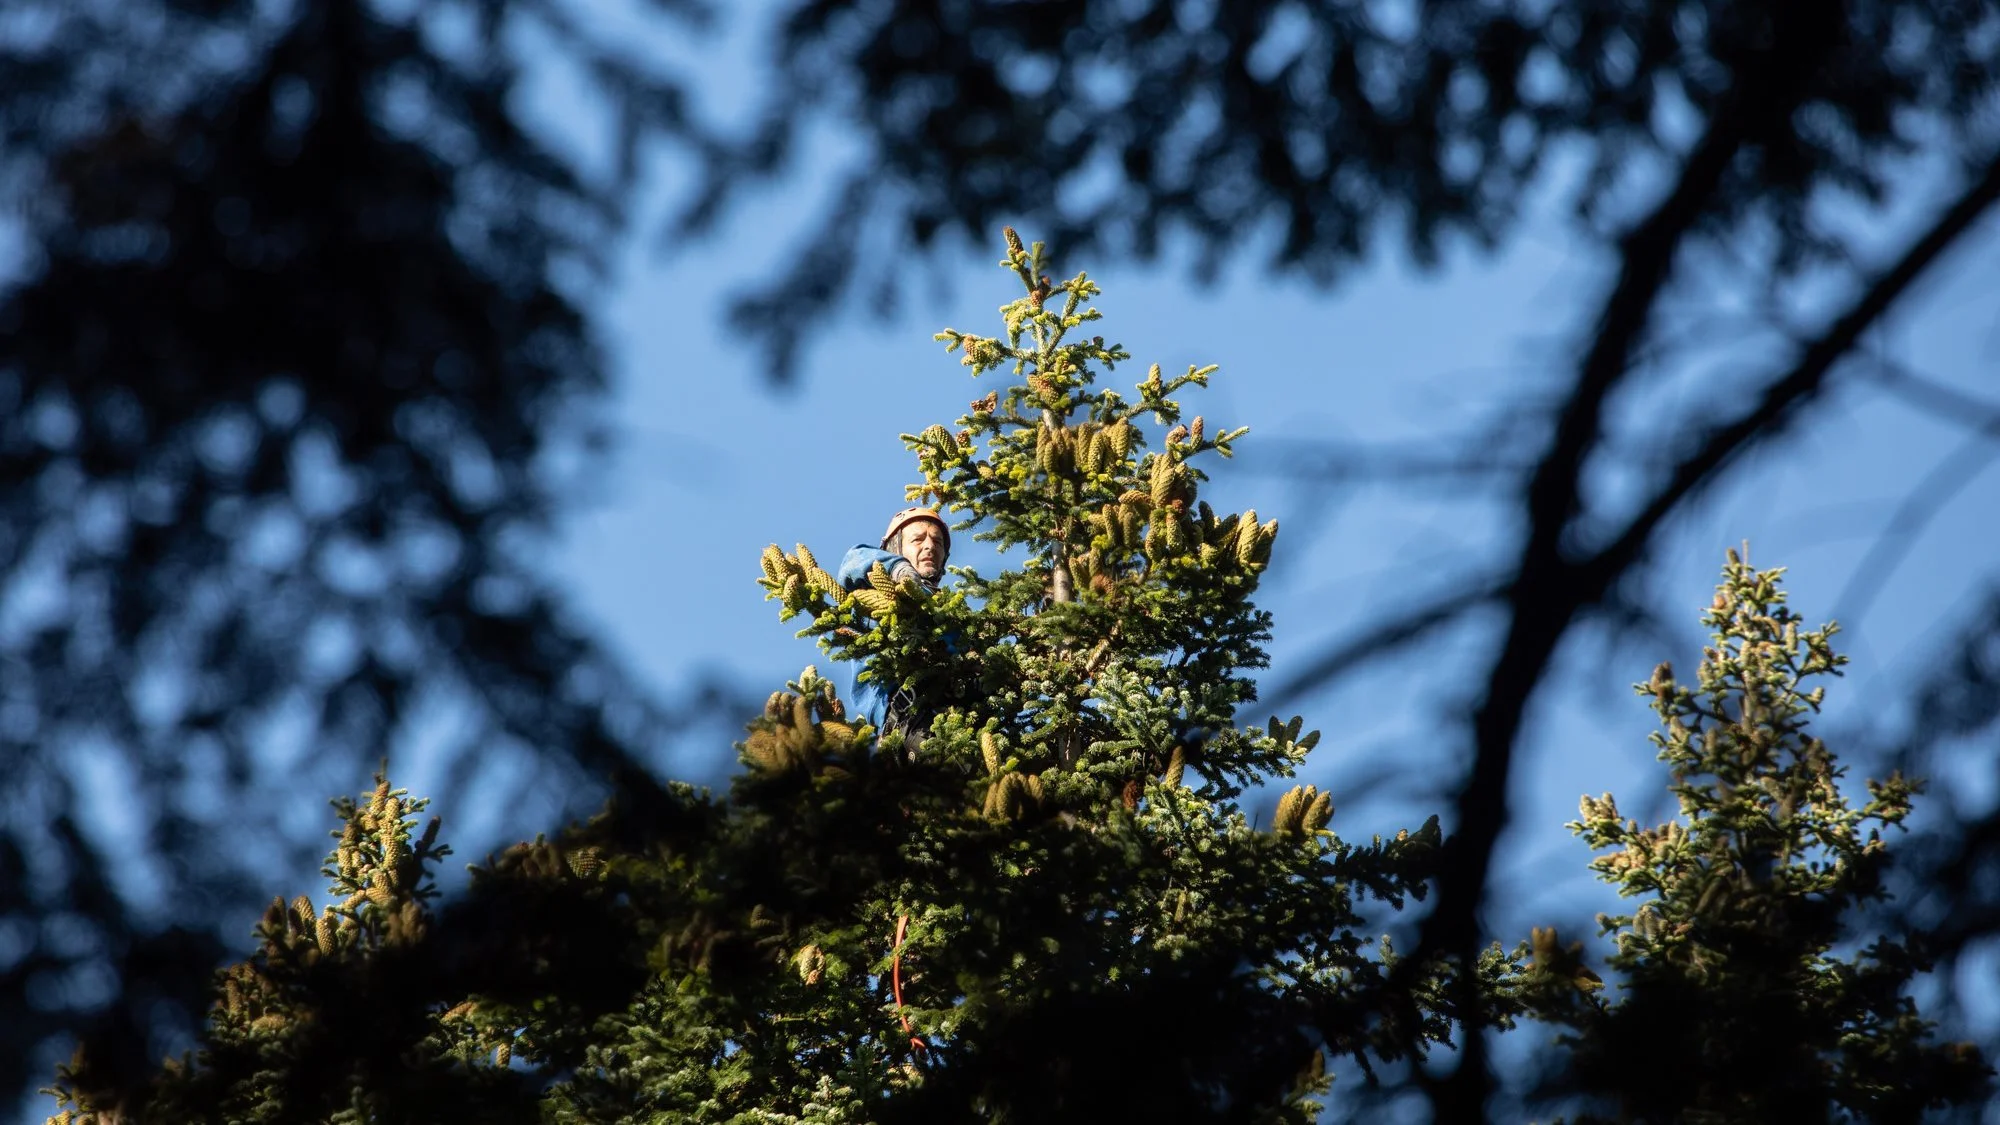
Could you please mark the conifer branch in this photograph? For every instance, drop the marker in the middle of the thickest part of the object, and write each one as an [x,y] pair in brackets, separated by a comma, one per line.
[1550,589]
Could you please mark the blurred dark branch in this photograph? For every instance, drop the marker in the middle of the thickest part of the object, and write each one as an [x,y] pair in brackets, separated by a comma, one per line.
[782,315]
[1929,395]
[1947,887]
[1945,480]
[1321,461]
[1950,891]
[1783,396]
[1544,597]
[1552,589]
[298,318]
[1382,639]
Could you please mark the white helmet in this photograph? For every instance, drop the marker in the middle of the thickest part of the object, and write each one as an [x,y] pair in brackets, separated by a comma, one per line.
[910,515]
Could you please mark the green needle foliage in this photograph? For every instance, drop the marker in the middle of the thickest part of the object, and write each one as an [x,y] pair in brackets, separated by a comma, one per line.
[1059,846]
[1044,901]
[1748,994]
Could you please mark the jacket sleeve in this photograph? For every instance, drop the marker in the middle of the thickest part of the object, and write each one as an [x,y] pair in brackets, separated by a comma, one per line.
[854,568]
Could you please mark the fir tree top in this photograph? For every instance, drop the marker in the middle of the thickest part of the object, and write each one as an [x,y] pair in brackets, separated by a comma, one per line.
[1132,583]
[1743,963]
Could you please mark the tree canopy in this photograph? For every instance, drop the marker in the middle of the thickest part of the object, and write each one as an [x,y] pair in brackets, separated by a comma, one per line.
[282,380]
[1047,903]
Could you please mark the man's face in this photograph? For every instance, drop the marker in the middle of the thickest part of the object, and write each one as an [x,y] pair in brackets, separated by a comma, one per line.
[923,545]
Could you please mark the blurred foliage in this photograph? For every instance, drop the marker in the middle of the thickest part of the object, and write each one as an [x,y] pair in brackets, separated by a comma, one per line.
[1334,126]
[1947,890]
[285,382]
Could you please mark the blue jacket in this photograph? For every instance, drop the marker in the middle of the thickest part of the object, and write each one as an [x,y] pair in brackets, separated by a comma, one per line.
[870,698]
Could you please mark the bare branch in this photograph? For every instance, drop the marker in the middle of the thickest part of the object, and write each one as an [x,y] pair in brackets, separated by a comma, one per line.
[1411,627]
[1939,399]
[1319,461]
[1945,480]
[1781,398]
[1542,598]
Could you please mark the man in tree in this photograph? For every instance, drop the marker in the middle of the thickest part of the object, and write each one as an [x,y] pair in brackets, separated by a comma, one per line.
[914,549]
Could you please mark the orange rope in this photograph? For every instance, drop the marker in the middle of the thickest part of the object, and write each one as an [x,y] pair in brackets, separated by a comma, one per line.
[896,982]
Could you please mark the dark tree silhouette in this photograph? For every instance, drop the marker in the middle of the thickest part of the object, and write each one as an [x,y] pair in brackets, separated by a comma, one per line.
[280,380]
[1336,127]
[1949,889]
